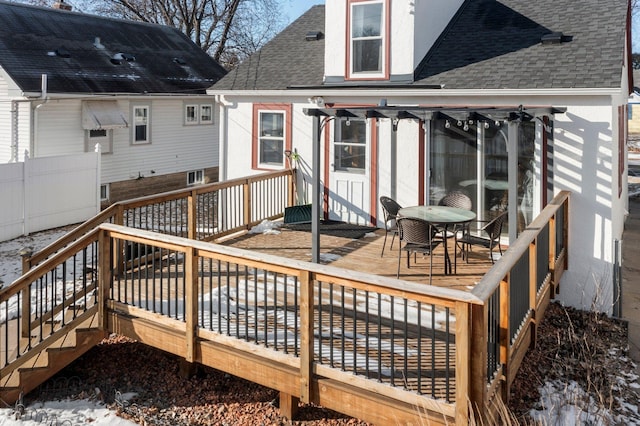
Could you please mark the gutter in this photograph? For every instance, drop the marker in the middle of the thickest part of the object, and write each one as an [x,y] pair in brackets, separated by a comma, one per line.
[417,92]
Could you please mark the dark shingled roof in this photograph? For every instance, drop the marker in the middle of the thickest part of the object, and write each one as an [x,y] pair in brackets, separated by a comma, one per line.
[287,60]
[31,36]
[489,44]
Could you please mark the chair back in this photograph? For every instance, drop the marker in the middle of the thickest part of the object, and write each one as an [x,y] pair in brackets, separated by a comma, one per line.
[415,231]
[456,199]
[390,208]
[494,227]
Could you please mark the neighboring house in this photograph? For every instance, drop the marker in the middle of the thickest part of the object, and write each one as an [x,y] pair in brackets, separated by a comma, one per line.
[70,80]
[510,101]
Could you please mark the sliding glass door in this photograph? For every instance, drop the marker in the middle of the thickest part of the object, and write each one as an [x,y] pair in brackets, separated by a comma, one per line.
[472,157]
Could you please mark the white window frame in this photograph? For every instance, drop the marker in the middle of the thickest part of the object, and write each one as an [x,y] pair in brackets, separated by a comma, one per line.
[135,123]
[204,107]
[106,142]
[195,177]
[283,138]
[194,118]
[104,189]
[381,73]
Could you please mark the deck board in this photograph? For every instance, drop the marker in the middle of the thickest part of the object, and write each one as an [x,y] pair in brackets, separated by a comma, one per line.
[363,255]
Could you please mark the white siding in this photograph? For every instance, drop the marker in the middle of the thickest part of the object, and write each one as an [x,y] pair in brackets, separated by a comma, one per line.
[174,147]
[585,163]
[5,122]
[409,42]
[434,16]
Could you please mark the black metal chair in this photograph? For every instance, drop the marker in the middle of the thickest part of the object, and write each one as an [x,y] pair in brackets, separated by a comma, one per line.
[418,237]
[390,209]
[493,230]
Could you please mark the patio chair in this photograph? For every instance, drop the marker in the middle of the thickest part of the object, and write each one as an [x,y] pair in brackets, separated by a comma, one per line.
[390,209]
[493,230]
[456,199]
[418,237]
[460,200]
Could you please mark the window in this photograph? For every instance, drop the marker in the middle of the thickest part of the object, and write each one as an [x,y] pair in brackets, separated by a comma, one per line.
[271,144]
[271,135]
[195,114]
[103,137]
[195,177]
[206,114]
[191,114]
[350,149]
[141,125]
[367,39]
[104,192]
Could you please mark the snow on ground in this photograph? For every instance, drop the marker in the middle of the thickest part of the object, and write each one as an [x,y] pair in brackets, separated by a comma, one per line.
[67,412]
[563,404]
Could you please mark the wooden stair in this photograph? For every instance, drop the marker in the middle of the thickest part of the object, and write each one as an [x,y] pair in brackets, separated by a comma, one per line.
[43,361]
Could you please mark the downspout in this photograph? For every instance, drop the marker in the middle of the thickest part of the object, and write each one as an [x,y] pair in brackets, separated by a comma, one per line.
[14,132]
[222,138]
[44,98]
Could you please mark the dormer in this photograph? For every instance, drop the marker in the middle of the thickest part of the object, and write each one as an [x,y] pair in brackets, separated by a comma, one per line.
[381,40]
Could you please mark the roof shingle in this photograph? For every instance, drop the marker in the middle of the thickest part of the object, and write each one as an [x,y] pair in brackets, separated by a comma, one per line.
[31,36]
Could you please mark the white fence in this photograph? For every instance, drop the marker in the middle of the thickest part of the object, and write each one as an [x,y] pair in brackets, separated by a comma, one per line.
[48,192]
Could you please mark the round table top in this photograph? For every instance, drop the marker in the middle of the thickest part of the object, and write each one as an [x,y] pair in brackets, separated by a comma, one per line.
[438,214]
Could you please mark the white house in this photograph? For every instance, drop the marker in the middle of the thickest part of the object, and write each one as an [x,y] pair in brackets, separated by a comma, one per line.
[419,98]
[70,80]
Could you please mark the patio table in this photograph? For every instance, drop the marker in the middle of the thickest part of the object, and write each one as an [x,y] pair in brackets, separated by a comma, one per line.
[442,217]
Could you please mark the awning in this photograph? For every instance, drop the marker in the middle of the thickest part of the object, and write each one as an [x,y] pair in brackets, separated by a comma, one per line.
[102,115]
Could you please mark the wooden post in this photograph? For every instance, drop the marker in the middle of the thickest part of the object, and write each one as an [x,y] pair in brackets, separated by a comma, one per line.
[247,203]
[192,215]
[505,333]
[104,277]
[552,253]
[533,288]
[291,187]
[306,335]
[25,316]
[478,360]
[463,365]
[191,298]
[288,405]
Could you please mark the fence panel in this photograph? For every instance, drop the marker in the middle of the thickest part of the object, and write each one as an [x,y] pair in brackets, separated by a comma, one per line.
[12,196]
[48,192]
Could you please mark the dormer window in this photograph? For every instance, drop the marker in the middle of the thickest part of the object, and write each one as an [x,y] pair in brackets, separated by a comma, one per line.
[368,39]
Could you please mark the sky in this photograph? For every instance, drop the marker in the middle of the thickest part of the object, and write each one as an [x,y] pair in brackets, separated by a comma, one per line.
[295,8]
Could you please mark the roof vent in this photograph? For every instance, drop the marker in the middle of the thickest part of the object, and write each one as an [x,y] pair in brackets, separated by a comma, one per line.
[555,37]
[313,35]
[119,57]
[179,61]
[63,53]
[97,44]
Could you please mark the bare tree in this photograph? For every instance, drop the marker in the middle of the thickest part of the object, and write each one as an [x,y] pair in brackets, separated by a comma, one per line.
[229,30]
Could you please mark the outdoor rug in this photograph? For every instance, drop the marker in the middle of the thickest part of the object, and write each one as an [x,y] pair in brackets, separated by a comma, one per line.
[334,228]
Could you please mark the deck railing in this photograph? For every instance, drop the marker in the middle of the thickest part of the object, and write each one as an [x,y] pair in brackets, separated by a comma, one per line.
[515,294]
[384,350]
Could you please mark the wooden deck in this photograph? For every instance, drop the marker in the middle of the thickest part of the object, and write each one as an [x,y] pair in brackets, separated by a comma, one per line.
[363,255]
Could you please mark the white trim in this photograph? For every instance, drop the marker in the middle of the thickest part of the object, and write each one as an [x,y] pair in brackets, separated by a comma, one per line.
[414,92]
[282,138]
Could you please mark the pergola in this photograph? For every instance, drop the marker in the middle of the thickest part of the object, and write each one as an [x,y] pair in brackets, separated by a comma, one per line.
[510,114]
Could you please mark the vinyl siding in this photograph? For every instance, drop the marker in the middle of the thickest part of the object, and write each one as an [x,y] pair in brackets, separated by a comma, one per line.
[174,147]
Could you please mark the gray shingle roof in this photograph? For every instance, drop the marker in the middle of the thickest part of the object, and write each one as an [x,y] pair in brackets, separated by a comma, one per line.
[490,44]
[496,44]
[31,36]
[287,60]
